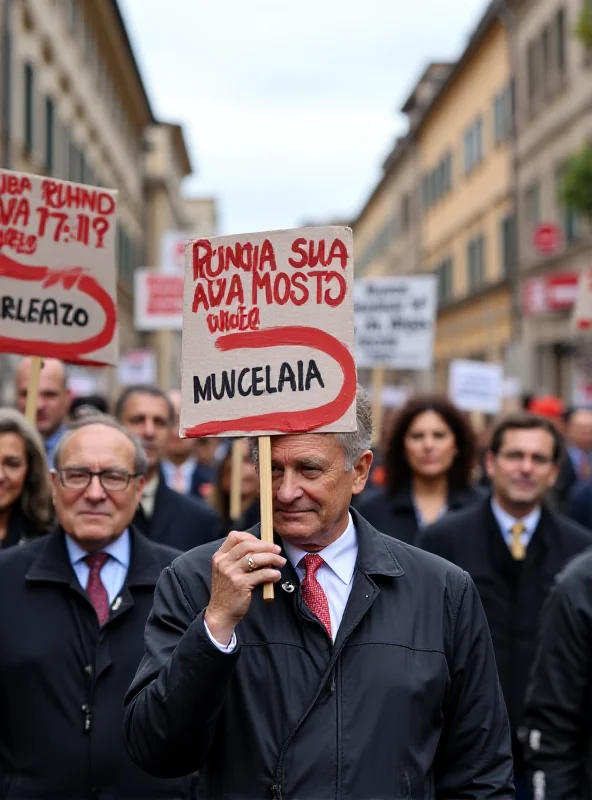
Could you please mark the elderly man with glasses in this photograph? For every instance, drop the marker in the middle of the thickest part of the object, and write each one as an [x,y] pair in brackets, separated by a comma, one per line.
[71,635]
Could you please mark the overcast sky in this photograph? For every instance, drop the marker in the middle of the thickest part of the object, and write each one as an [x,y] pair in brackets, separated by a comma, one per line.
[289,109]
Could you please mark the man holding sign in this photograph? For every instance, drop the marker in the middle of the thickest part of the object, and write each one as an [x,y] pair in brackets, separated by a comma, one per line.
[372,674]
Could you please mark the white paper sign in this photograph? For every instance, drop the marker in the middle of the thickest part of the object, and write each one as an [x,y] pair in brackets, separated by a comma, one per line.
[476,386]
[136,366]
[158,300]
[172,250]
[268,334]
[395,322]
[57,269]
[582,313]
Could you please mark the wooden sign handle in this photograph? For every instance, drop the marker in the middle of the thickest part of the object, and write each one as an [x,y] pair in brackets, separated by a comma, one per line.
[377,386]
[264,447]
[236,475]
[33,390]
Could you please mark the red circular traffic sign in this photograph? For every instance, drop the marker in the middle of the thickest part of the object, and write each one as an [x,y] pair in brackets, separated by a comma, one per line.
[547,238]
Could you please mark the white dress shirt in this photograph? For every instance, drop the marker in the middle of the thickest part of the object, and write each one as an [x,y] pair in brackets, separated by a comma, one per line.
[335,575]
[114,571]
[506,522]
[182,473]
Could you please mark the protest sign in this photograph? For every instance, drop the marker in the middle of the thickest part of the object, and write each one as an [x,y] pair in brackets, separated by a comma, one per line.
[136,366]
[172,250]
[158,300]
[394,320]
[57,270]
[268,334]
[582,312]
[476,386]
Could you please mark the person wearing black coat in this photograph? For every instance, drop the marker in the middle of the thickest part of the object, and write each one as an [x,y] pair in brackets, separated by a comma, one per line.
[513,546]
[177,520]
[164,515]
[371,674]
[559,696]
[429,466]
[71,635]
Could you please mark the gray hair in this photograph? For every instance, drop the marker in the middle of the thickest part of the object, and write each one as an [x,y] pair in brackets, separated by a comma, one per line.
[140,460]
[35,499]
[353,443]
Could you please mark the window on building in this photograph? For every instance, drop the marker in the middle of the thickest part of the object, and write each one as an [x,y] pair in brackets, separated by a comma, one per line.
[508,245]
[560,30]
[473,145]
[476,263]
[503,114]
[547,56]
[532,205]
[29,106]
[73,163]
[438,182]
[49,135]
[570,220]
[535,71]
[405,212]
[444,272]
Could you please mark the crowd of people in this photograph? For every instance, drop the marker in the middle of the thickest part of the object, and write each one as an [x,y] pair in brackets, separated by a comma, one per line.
[431,635]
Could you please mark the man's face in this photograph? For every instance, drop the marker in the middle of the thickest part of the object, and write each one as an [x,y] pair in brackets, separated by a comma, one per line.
[94,516]
[147,417]
[579,429]
[312,489]
[53,402]
[523,470]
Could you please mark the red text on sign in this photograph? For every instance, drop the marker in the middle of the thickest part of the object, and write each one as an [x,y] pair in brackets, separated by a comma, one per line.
[69,195]
[311,253]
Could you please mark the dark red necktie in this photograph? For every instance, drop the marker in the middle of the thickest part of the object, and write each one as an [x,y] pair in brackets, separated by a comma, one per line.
[312,591]
[95,588]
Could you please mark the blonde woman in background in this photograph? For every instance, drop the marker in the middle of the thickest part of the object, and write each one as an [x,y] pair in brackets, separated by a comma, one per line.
[25,489]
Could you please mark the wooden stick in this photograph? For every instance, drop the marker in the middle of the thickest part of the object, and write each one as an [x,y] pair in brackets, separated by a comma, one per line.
[33,390]
[236,476]
[264,446]
[377,385]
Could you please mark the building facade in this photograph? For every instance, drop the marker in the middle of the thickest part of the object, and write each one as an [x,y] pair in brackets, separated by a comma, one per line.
[467,223]
[74,106]
[554,119]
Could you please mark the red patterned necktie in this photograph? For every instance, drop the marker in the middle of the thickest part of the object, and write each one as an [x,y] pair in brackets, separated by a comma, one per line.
[95,588]
[312,591]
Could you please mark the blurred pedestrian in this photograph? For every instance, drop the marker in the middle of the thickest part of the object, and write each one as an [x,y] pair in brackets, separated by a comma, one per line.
[249,492]
[559,751]
[53,400]
[88,406]
[371,675]
[512,546]
[164,515]
[210,451]
[180,465]
[71,637]
[429,469]
[26,510]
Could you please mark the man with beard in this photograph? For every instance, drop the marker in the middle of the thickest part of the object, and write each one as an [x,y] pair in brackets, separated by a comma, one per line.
[513,546]
[164,515]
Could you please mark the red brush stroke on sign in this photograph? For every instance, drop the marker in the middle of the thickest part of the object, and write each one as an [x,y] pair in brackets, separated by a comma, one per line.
[287,421]
[69,278]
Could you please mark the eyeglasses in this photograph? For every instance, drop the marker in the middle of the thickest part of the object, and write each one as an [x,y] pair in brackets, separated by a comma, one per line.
[112,480]
[517,456]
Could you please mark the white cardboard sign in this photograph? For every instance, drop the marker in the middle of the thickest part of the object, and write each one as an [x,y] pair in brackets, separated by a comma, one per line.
[582,313]
[158,300]
[476,386]
[57,269]
[268,334]
[172,250]
[395,322]
[137,366]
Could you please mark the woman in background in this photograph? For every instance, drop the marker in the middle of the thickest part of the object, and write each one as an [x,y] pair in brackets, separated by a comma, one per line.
[429,466]
[249,505]
[25,488]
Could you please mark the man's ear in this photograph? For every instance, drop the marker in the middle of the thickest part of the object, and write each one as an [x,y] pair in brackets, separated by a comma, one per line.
[361,471]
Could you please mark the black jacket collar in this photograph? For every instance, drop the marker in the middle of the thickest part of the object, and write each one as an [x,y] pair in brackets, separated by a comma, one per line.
[53,563]
[457,498]
[376,555]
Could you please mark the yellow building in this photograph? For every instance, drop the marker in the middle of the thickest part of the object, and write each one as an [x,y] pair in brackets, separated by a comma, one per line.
[467,228]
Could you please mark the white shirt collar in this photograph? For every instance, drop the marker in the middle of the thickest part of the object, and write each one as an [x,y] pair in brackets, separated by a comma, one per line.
[341,555]
[120,549]
[506,521]
[151,487]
